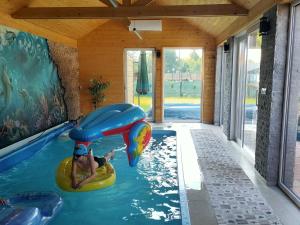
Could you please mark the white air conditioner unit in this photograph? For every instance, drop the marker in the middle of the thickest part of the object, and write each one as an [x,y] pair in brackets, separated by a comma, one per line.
[145,25]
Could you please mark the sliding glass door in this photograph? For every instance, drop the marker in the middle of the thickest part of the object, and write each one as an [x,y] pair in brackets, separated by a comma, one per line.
[139,78]
[240,89]
[290,151]
[247,83]
[251,89]
[182,83]
[223,64]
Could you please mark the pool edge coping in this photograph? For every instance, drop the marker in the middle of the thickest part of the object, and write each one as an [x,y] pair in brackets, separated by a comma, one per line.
[185,213]
[184,207]
[36,142]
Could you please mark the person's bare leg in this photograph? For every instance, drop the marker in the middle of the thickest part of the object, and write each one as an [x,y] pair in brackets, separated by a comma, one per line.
[109,155]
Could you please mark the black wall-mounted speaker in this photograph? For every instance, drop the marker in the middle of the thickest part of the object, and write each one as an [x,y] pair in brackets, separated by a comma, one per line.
[264,26]
[226,47]
[158,53]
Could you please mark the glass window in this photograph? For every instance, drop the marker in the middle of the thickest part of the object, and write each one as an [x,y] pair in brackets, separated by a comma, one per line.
[251,89]
[139,79]
[182,83]
[290,171]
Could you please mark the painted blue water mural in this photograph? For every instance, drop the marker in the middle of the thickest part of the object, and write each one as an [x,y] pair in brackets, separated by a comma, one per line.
[31,97]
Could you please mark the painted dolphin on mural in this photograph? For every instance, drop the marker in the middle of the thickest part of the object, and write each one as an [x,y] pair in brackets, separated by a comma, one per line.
[10,37]
[25,95]
[7,87]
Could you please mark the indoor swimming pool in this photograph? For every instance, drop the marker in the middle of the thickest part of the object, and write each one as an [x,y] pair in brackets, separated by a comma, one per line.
[145,194]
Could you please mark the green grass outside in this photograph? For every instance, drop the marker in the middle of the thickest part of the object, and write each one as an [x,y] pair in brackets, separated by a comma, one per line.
[189,89]
[250,101]
[146,101]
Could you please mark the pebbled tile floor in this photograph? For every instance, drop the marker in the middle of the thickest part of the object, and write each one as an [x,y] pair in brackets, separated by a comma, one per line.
[233,196]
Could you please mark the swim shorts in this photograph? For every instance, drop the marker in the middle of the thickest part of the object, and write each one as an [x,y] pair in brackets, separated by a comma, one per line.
[100,160]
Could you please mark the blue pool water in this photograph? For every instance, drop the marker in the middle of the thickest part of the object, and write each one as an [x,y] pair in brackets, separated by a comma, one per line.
[146,194]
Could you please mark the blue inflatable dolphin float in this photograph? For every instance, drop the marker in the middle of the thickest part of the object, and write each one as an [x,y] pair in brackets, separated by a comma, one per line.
[125,119]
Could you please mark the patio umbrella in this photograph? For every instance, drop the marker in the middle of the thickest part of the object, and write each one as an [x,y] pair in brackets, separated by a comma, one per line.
[142,84]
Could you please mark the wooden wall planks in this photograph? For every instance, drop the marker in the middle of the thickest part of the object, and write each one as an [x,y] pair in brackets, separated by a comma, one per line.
[37,30]
[101,53]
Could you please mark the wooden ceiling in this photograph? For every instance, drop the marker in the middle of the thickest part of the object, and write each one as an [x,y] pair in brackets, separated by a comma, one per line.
[70,30]
[73,29]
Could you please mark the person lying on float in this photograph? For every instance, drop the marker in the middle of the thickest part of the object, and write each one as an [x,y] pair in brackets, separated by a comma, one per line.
[84,159]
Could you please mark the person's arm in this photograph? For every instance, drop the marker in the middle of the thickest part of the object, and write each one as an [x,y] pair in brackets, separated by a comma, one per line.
[73,174]
[93,172]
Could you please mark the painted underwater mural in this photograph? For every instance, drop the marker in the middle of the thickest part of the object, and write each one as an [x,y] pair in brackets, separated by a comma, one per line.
[31,96]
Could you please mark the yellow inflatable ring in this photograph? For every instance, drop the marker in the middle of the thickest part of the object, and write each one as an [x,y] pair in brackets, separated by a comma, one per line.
[105,177]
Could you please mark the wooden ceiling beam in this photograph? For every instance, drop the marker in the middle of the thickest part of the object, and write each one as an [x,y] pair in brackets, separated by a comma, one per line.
[284,1]
[142,2]
[235,2]
[177,11]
